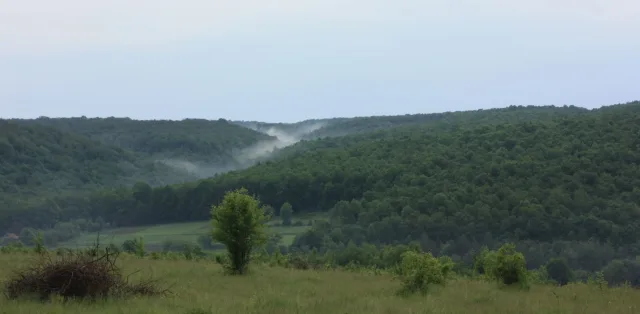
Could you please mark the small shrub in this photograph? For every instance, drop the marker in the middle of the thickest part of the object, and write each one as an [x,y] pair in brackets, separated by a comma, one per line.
[277,259]
[38,243]
[506,266]
[140,250]
[14,247]
[598,280]
[192,251]
[418,271]
[479,261]
[622,271]
[298,261]
[129,246]
[221,259]
[539,276]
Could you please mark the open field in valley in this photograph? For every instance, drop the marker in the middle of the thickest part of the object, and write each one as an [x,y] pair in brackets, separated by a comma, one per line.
[155,236]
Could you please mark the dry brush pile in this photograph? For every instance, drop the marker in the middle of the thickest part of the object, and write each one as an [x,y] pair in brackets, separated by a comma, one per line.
[93,274]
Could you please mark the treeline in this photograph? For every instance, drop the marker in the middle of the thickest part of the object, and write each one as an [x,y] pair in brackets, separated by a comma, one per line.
[37,161]
[445,120]
[556,269]
[189,139]
[49,159]
[570,178]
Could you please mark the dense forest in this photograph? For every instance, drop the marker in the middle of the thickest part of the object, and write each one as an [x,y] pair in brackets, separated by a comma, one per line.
[498,174]
[189,139]
[38,161]
[336,127]
[72,157]
[513,114]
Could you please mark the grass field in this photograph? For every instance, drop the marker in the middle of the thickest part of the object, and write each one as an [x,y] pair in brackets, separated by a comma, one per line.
[200,287]
[155,236]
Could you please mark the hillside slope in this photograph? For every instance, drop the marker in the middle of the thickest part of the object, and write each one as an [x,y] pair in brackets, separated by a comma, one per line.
[38,161]
[513,114]
[213,143]
[571,178]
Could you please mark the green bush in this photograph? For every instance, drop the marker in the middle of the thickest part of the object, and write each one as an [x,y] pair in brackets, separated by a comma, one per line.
[192,251]
[418,271]
[479,261]
[506,266]
[14,247]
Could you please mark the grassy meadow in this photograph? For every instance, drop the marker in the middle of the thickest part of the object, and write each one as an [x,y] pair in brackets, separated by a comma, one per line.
[155,236]
[201,287]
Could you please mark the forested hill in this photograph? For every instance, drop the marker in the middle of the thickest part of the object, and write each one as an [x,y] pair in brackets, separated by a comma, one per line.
[513,114]
[38,161]
[572,178]
[335,127]
[213,142]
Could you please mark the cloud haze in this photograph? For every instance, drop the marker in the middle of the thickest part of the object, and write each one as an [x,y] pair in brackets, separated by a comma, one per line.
[286,60]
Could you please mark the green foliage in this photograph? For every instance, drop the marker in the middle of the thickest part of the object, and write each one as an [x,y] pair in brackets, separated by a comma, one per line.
[191,251]
[269,211]
[49,161]
[196,284]
[622,271]
[14,247]
[239,223]
[557,182]
[139,247]
[38,241]
[479,260]
[188,139]
[538,276]
[131,246]
[441,121]
[558,270]
[506,265]
[418,271]
[63,231]
[286,213]
[598,280]
[535,180]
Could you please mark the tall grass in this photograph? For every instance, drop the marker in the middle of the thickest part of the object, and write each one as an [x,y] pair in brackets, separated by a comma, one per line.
[199,286]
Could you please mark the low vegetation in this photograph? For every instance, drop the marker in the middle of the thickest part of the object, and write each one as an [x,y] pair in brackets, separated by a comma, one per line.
[201,286]
[88,274]
[418,271]
[409,279]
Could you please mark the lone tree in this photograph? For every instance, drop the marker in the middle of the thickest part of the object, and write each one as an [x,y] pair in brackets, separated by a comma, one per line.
[239,222]
[286,213]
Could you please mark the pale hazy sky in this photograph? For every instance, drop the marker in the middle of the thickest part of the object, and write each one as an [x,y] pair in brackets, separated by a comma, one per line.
[288,60]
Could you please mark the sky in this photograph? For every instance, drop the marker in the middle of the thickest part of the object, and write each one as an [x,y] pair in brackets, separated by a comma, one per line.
[290,60]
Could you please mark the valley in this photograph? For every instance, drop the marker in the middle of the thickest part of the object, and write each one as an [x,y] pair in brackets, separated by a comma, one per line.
[352,194]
